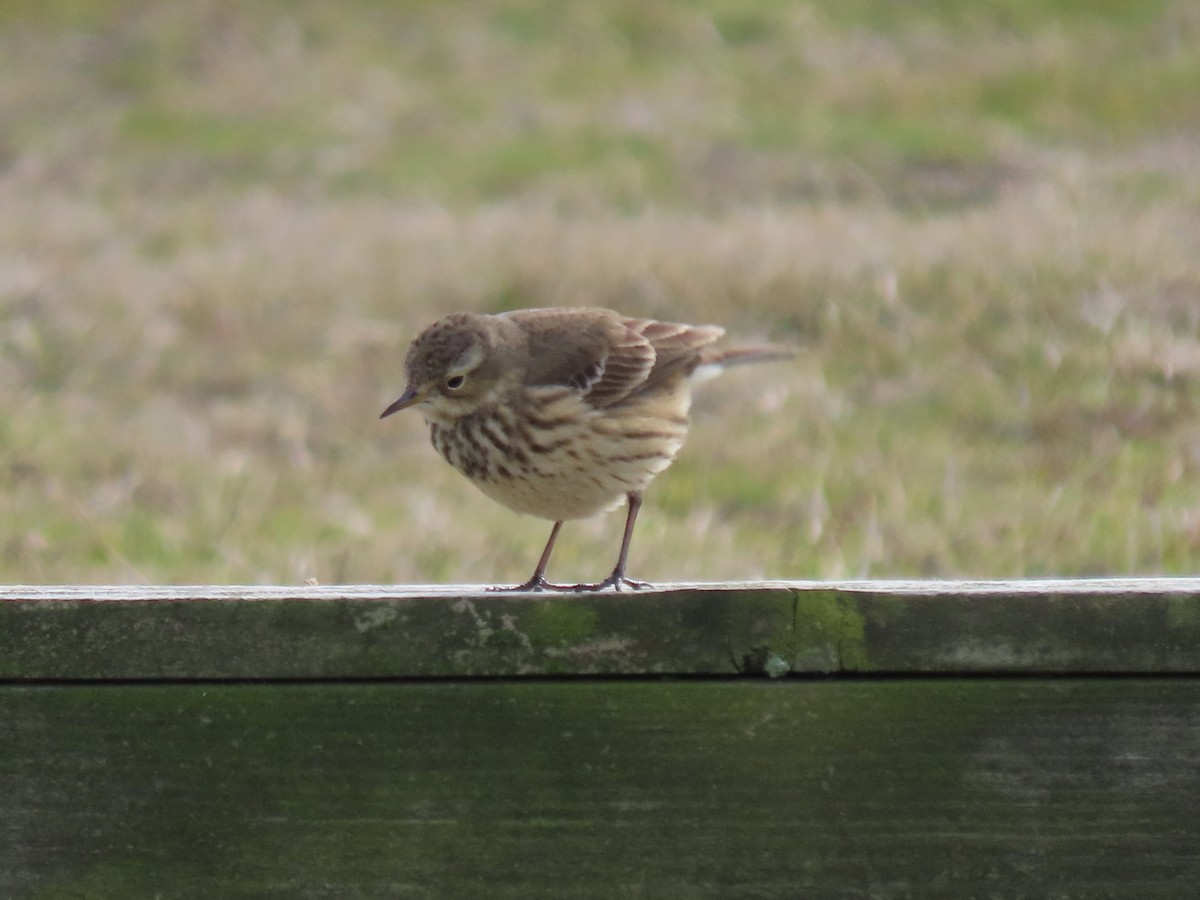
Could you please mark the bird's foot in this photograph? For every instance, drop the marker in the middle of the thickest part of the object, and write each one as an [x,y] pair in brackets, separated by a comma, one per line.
[617,581]
[534,584]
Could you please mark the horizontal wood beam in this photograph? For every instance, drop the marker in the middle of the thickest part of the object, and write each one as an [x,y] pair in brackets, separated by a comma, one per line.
[944,788]
[433,782]
[1128,625]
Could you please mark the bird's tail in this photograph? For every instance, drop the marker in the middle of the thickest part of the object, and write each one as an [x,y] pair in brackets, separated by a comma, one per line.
[746,353]
[714,359]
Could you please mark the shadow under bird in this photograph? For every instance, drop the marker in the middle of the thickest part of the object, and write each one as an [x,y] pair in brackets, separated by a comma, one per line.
[563,412]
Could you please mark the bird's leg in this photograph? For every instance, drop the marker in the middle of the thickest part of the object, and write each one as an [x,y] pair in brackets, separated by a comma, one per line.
[617,579]
[538,582]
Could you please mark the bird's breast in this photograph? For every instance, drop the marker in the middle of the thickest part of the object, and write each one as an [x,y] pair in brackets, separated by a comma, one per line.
[549,454]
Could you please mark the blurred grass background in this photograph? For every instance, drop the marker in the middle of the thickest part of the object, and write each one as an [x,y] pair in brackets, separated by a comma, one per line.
[221,223]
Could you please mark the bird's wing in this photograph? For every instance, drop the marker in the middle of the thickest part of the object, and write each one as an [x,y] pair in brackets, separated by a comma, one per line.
[677,348]
[591,350]
[607,357]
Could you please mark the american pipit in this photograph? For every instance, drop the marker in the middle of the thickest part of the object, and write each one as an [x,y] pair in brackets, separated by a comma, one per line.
[562,413]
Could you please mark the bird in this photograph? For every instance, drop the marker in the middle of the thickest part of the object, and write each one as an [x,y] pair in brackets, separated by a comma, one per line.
[562,412]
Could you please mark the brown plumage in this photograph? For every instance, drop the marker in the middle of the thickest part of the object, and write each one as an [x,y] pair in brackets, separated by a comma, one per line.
[562,413]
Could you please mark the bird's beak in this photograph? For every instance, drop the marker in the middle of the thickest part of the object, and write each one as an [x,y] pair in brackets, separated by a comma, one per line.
[407,399]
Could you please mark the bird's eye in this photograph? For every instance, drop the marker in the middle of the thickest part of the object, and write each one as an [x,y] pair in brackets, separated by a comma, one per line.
[454,382]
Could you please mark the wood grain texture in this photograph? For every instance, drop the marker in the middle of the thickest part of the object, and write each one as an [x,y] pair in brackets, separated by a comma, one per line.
[777,628]
[871,788]
[156,742]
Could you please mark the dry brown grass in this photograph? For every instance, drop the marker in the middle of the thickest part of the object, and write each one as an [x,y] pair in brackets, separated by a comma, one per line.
[199,326]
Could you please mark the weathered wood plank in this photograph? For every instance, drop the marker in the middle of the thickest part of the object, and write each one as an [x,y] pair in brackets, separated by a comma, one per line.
[322,633]
[208,632]
[591,788]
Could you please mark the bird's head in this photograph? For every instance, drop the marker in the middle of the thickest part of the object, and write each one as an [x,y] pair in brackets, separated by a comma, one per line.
[453,367]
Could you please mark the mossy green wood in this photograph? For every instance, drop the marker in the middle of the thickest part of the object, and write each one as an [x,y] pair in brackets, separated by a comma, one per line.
[1128,625]
[310,633]
[1102,626]
[594,788]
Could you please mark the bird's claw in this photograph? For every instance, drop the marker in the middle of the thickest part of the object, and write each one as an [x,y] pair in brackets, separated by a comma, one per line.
[533,585]
[617,581]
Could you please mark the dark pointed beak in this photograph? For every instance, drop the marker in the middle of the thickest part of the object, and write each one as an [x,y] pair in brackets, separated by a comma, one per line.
[407,399]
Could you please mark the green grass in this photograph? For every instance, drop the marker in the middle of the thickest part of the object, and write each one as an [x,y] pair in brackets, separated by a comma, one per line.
[221,224]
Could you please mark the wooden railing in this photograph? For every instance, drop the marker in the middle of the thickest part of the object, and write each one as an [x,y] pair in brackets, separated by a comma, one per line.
[785,739]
